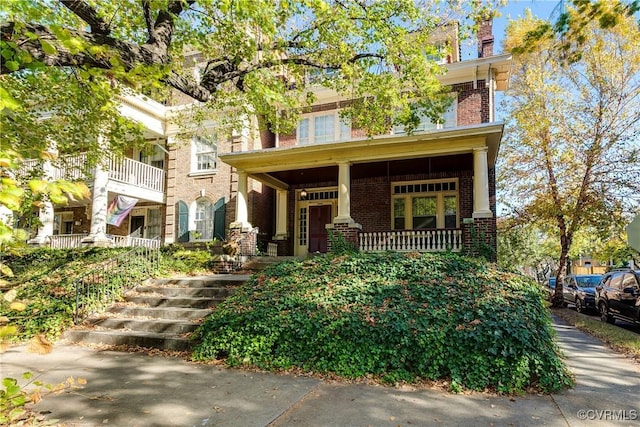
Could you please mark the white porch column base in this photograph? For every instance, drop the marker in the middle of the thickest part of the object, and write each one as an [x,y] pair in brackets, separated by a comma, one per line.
[242,226]
[481,206]
[344,194]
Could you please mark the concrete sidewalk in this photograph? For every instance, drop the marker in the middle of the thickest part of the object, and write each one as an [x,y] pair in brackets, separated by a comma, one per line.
[132,389]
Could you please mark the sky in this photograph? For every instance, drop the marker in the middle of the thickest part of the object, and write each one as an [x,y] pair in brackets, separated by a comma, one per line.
[516,8]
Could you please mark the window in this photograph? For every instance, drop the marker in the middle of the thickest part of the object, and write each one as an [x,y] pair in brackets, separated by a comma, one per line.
[155,159]
[204,219]
[205,153]
[63,223]
[449,120]
[323,127]
[424,204]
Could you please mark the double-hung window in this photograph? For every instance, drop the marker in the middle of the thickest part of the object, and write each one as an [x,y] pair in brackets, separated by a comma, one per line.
[323,127]
[205,153]
[425,204]
[448,120]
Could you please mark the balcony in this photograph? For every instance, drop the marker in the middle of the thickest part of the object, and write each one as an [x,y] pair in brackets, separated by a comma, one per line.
[126,176]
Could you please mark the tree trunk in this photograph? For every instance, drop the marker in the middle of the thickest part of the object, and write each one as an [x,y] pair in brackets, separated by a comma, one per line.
[558,299]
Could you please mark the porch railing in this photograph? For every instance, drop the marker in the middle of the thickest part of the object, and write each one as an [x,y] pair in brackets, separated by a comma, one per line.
[128,171]
[128,241]
[71,241]
[136,173]
[412,240]
[108,282]
[66,241]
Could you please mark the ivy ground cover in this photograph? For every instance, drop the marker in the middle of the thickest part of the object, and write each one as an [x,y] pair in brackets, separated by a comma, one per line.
[396,317]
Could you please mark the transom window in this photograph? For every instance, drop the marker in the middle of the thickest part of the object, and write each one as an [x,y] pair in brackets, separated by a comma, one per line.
[323,127]
[425,204]
[205,153]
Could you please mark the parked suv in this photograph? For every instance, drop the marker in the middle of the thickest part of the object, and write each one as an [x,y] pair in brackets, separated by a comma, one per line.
[580,289]
[618,296]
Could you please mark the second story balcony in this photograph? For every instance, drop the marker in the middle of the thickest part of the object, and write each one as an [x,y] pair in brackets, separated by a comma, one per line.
[126,176]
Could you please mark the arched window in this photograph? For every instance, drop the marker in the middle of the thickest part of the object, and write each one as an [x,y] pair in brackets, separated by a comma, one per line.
[204,219]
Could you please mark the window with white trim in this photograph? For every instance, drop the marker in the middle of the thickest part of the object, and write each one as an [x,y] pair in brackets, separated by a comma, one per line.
[205,155]
[323,127]
[449,120]
[425,205]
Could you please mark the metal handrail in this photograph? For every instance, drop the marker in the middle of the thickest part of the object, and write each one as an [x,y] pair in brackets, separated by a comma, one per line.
[108,282]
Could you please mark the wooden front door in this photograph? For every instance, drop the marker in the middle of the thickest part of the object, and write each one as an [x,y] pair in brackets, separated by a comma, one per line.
[319,217]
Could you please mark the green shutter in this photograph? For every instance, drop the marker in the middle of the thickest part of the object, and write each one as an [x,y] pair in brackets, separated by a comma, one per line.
[218,219]
[182,231]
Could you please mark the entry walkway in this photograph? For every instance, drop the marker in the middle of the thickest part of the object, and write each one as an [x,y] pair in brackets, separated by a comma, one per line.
[132,389]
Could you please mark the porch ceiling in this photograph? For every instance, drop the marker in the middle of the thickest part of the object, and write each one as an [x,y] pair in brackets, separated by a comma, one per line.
[284,166]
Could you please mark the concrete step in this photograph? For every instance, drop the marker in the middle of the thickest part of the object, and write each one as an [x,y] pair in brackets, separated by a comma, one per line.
[218,280]
[184,302]
[203,292]
[129,338]
[162,314]
[174,313]
[177,327]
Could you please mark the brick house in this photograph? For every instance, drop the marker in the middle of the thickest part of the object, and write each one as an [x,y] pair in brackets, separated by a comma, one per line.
[431,190]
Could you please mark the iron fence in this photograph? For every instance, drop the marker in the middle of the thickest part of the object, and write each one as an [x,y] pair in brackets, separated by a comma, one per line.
[108,282]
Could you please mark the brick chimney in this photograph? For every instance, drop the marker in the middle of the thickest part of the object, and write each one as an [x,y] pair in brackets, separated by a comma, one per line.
[485,38]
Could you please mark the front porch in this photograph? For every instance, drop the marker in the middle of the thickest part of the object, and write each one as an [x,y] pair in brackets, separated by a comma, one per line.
[84,222]
[429,192]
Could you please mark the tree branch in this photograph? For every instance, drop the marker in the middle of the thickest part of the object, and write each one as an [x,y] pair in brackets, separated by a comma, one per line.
[89,15]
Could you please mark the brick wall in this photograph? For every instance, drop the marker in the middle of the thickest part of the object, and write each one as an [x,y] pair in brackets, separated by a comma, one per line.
[350,235]
[182,186]
[485,38]
[473,104]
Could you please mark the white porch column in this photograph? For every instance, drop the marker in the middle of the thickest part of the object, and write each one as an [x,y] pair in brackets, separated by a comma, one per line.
[46,211]
[281,215]
[99,203]
[242,210]
[481,206]
[344,194]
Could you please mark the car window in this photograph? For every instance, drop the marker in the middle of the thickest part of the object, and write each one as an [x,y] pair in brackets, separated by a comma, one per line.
[588,281]
[629,281]
[616,281]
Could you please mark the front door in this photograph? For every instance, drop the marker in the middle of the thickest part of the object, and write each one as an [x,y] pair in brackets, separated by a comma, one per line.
[137,226]
[319,217]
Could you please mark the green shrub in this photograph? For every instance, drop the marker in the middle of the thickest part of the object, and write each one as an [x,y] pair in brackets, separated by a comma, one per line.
[398,317]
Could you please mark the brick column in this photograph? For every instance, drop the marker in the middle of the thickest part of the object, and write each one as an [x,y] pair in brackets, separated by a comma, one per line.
[350,233]
[480,238]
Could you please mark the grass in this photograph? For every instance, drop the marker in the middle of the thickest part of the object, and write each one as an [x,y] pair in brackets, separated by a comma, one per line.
[619,339]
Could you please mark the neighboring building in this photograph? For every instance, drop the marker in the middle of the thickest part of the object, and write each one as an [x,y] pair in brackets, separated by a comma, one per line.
[432,190]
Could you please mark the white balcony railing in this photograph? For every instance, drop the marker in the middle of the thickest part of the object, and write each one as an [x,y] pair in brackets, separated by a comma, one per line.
[127,171]
[136,173]
[412,240]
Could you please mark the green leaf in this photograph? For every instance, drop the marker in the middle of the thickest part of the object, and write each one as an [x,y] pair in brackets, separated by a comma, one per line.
[48,48]
[12,65]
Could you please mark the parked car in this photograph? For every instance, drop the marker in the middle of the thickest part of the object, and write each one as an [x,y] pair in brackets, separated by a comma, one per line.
[580,289]
[618,296]
[549,286]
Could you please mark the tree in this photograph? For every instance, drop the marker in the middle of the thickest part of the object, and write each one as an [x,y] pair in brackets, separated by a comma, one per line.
[527,248]
[71,60]
[571,155]
[573,24]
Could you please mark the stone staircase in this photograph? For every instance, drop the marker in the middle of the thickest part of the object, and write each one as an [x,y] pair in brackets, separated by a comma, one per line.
[161,314]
